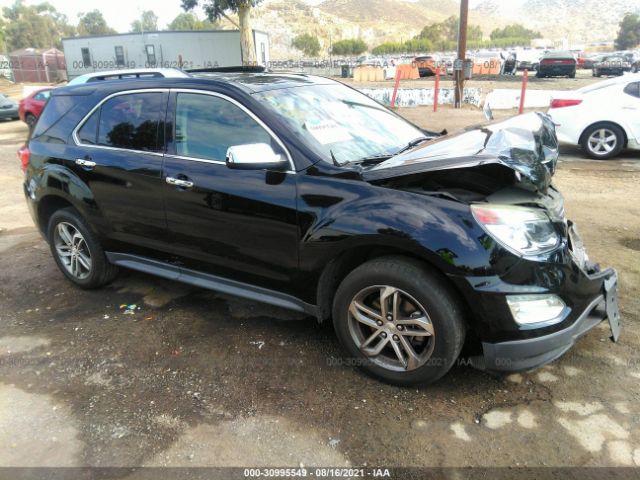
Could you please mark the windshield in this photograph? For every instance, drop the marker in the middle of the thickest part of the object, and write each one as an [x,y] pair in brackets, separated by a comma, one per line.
[340,124]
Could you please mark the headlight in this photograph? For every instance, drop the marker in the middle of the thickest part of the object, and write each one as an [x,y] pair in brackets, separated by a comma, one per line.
[525,231]
[537,310]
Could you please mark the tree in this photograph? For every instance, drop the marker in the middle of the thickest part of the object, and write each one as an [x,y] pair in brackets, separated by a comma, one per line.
[629,33]
[215,9]
[444,35]
[37,26]
[349,47]
[189,21]
[148,22]
[514,31]
[307,43]
[93,23]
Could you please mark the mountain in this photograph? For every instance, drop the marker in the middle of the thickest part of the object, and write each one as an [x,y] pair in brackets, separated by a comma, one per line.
[578,21]
[377,21]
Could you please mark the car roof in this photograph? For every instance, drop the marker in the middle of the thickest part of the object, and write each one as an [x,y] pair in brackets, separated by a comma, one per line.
[626,78]
[247,82]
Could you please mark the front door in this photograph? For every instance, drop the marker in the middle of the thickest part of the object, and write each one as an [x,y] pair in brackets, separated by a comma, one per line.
[232,223]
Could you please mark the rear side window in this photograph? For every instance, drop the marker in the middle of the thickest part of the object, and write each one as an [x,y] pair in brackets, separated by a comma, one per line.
[633,89]
[132,121]
[89,130]
[44,95]
[56,108]
[206,126]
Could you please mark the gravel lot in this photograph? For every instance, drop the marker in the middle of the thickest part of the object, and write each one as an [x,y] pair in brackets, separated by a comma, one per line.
[194,378]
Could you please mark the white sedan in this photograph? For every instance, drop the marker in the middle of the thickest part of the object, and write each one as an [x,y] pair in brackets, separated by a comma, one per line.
[602,118]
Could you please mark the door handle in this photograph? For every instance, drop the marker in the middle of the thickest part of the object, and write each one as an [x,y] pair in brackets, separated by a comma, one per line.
[179,182]
[85,163]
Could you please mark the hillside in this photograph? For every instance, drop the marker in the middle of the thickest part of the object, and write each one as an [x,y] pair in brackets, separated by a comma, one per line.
[377,21]
[577,20]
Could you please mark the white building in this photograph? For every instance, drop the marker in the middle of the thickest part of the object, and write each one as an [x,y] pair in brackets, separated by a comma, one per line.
[181,49]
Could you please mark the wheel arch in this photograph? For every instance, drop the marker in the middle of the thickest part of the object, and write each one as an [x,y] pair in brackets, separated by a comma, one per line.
[47,206]
[346,261]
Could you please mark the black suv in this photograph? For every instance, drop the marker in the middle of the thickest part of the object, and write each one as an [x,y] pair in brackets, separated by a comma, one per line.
[301,192]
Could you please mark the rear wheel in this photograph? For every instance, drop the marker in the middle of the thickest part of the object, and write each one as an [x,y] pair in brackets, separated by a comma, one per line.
[30,119]
[603,141]
[398,322]
[77,251]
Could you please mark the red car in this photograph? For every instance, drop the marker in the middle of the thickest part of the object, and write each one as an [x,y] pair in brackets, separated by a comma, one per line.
[31,106]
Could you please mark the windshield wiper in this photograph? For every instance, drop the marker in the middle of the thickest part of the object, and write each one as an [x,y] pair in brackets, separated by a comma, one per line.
[411,144]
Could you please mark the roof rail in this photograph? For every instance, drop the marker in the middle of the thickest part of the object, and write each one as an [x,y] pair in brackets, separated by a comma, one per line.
[239,68]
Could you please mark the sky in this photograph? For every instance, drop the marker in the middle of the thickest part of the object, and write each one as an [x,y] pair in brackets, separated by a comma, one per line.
[120,13]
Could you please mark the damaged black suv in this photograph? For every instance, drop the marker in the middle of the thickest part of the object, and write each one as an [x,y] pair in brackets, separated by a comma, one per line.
[303,193]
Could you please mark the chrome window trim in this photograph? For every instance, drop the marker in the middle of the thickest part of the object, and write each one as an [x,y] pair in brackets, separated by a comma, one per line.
[74,134]
[77,142]
[292,167]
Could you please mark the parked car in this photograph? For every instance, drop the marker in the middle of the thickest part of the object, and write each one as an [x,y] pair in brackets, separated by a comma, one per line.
[426,65]
[8,108]
[557,64]
[603,118]
[301,192]
[128,73]
[612,65]
[592,59]
[31,106]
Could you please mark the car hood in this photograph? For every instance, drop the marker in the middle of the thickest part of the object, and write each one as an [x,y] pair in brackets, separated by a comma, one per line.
[526,143]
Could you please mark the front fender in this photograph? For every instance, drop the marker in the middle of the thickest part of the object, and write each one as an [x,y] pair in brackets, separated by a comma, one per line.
[350,215]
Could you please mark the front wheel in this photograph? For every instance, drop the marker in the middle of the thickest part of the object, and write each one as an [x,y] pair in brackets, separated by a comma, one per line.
[602,141]
[77,251]
[399,322]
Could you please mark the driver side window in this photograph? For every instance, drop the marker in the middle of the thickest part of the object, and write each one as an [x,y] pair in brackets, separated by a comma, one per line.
[206,126]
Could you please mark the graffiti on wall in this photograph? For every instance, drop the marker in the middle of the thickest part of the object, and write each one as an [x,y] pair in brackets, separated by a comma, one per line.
[415,97]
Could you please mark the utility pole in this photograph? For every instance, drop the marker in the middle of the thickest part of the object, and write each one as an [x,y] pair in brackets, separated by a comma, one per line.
[462,51]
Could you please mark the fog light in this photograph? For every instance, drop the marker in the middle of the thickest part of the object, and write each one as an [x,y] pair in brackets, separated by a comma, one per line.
[537,310]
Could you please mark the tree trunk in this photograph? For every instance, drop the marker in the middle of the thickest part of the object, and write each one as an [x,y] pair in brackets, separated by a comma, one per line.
[247,44]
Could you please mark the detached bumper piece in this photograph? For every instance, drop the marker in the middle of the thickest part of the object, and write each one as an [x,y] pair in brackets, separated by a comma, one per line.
[518,355]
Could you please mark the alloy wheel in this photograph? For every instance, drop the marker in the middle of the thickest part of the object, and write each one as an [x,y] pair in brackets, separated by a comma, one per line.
[602,141]
[72,250]
[391,328]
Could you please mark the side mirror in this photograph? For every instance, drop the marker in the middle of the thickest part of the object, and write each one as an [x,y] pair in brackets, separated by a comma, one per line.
[254,156]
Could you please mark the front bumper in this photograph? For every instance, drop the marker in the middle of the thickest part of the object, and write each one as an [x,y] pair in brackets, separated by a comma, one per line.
[518,355]
[591,294]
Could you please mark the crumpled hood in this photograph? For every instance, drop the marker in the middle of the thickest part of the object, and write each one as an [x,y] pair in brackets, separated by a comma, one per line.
[525,143]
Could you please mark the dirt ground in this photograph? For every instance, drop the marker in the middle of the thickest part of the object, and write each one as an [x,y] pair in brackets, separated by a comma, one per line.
[195,378]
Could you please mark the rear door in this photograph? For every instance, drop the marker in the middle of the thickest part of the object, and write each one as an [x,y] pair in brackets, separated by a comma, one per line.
[232,223]
[118,152]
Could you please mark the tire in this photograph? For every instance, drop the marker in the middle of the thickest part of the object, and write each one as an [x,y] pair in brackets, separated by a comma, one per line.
[602,140]
[69,234]
[426,305]
[30,119]
[572,75]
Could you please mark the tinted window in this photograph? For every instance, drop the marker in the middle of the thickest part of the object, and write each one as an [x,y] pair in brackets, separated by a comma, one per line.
[53,111]
[206,126]
[131,121]
[633,89]
[89,130]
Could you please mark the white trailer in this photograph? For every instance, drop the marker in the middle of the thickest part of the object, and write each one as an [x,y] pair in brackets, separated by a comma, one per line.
[164,49]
